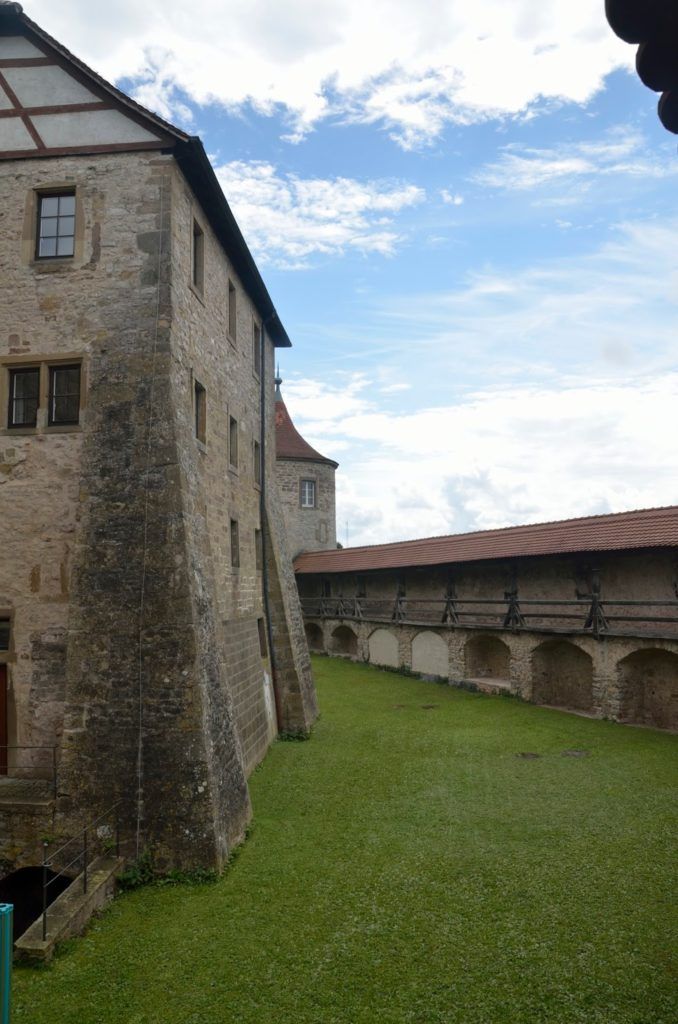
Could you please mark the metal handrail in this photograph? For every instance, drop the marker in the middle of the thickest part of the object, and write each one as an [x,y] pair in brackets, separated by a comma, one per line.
[4,761]
[82,855]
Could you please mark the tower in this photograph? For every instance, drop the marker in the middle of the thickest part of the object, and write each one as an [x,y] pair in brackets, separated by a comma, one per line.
[306,484]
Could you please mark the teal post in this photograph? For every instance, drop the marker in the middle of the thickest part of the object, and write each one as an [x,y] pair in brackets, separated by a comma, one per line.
[6,945]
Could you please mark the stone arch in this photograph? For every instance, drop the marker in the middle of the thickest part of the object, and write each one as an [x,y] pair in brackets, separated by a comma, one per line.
[430,655]
[344,641]
[383,648]
[648,688]
[314,637]
[562,674]
[487,657]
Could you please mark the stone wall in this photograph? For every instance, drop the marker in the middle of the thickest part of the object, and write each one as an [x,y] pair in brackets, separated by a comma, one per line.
[308,529]
[625,673]
[136,637]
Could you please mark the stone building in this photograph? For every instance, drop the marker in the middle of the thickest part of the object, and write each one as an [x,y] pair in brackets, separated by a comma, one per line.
[307,486]
[151,640]
[580,614]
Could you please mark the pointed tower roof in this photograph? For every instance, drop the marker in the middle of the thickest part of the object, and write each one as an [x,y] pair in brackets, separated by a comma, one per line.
[289,443]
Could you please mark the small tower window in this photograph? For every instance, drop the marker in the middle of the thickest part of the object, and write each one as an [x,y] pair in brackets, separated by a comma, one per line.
[232,311]
[256,348]
[308,494]
[235,544]
[233,442]
[198,271]
[200,410]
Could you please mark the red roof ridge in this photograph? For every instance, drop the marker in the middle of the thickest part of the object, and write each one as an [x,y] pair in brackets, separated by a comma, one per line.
[606,531]
[504,529]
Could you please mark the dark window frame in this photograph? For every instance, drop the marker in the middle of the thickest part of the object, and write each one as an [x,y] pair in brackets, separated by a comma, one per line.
[235,544]
[199,411]
[52,370]
[5,620]
[232,312]
[232,442]
[256,348]
[256,460]
[198,258]
[41,217]
[14,373]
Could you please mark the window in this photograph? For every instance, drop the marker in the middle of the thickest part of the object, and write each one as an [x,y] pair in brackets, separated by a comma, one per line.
[258,550]
[232,312]
[198,270]
[4,634]
[56,226]
[308,493]
[233,442]
[235,545]
[262,638]
[24,397]
[256,348]
[29,387]
[257,463]
[200,410]
[64,395]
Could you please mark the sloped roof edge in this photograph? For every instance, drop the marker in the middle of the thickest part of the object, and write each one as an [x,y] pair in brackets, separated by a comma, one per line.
[640,528]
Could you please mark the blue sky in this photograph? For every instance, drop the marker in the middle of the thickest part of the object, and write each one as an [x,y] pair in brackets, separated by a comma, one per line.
[466,217]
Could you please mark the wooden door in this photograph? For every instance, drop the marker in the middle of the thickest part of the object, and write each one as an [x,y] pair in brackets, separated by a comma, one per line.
[3,720]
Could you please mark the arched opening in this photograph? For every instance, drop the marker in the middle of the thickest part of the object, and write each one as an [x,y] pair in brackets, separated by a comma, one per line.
[383,648]
[314,637]
[430,655]
[344,641]
[562,674]
[23,888]
[648,683]
[487,657]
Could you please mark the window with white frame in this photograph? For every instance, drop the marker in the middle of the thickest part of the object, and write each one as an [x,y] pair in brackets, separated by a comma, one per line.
[308,494]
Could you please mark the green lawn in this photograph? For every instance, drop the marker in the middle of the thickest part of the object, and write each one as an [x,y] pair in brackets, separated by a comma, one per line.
[407,866]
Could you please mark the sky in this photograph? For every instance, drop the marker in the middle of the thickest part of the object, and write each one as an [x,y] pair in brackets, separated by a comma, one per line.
[465,213]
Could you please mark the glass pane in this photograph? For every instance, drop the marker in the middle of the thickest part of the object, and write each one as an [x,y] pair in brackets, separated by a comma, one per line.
[48,247]
[4,634]
[65,246]
[49,207]
[25,412]
[48,226]
[65,410]
[67,206]
[26,384]
[66,225]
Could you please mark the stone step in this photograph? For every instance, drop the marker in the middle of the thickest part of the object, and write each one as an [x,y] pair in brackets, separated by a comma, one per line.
[71,912]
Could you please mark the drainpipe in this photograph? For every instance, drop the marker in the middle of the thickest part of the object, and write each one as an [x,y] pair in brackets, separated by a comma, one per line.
[262,520]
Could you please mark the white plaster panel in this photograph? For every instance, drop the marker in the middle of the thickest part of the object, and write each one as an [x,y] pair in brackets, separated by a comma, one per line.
[5,101]
[47,87]
[90,128]
[16,46]
[14,135]
[430,655]
[383,647]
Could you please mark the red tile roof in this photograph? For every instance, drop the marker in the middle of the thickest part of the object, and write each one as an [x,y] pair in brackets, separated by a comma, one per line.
[645,528]
[289,444]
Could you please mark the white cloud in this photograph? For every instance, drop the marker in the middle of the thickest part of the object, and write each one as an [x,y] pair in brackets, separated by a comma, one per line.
[453,199]
[535,394]
[287,218]
[623,152]
[406,66]
[499,457]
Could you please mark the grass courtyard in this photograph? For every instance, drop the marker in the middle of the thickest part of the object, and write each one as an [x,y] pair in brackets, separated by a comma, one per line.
[407,866]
